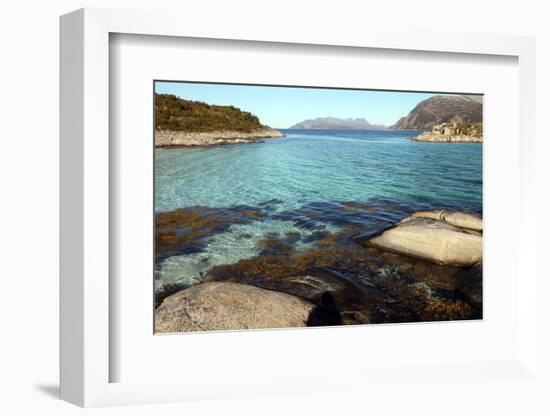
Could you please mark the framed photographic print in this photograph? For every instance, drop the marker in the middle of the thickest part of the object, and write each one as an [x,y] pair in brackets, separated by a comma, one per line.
[324,221]
[324,213]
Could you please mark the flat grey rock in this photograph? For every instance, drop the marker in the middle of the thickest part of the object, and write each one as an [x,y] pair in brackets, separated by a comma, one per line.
[430,239]
[230,306]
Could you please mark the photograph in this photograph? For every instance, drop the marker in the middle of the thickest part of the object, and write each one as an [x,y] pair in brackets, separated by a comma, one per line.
[281,206]
[238,208]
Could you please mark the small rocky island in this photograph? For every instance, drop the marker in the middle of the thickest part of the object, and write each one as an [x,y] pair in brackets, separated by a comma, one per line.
[180,122]
[453,133]
[446,119]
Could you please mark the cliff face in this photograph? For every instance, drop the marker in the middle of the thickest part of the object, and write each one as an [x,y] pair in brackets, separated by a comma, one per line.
[180,122]
[334,123]
[442,109]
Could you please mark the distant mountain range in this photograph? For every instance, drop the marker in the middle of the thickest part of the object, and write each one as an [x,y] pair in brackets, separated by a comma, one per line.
[442,109]
[334,123]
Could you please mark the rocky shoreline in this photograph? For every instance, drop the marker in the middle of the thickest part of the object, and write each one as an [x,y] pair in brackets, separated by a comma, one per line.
[441,138]
[173,138]
[425,267]
[452,133]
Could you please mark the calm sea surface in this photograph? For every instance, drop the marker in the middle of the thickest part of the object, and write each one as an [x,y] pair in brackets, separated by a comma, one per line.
[306,184]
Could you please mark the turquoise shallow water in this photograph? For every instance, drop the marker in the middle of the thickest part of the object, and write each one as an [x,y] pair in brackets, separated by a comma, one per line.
[300,182]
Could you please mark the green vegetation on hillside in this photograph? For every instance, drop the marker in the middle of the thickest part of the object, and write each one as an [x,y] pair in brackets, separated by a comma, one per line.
[173,113]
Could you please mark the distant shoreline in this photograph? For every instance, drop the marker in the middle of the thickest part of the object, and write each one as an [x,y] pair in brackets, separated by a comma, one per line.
[332,129]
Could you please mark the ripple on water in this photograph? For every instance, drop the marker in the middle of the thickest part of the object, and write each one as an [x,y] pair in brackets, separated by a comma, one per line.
[309,184]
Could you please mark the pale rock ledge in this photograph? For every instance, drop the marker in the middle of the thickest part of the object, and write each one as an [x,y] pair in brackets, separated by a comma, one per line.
[167,138]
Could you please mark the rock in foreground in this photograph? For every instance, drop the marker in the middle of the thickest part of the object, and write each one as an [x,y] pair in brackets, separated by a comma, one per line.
[456,218]
[431,239]
[323,287]
[230,306]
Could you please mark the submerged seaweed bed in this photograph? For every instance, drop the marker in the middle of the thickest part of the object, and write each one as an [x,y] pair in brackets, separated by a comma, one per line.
[367,285]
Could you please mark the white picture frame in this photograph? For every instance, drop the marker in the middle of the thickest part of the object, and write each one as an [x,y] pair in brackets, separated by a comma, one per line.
[85,220]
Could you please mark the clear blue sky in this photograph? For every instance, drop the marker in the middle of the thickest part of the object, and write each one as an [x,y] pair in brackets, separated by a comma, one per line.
[281,107]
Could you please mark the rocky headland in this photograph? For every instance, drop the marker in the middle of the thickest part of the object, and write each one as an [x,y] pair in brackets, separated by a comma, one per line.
[442,109]
[425,267]
[167,138]
[180,122]
[453,133]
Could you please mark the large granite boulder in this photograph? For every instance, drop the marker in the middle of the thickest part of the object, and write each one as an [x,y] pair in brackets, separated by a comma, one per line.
[230,306]
[456,218]
[328,289]
[430,239]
